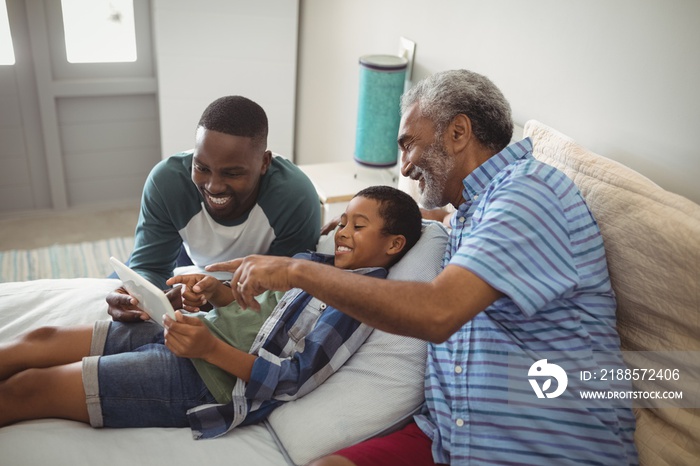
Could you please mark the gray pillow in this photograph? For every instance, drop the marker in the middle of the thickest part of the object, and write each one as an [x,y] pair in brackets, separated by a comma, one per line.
[380,386]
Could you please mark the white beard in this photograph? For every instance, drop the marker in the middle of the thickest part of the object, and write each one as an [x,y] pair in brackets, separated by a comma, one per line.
[435,176]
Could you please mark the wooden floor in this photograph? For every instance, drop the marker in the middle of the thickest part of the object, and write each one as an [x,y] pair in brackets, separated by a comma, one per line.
[40,229]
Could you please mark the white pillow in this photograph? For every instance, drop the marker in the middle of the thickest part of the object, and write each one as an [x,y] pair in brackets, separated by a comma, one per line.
[380,386]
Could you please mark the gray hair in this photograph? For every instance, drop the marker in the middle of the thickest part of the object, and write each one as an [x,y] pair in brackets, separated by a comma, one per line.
[444,95]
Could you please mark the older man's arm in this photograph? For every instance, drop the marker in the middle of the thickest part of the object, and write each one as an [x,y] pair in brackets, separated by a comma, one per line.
[431,311]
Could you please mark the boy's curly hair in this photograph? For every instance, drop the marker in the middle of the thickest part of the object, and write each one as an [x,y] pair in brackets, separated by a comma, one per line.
[399,211]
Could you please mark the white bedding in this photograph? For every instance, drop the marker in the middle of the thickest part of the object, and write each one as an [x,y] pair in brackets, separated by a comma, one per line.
[377,389]
[27,305]
[652,238]
[37,443]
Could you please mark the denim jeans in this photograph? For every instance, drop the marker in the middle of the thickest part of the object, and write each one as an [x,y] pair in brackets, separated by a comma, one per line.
[136,381]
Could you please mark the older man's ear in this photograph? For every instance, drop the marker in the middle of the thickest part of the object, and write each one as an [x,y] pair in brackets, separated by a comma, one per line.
[459,132]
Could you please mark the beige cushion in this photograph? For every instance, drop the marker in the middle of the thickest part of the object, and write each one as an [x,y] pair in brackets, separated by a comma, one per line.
[652,240]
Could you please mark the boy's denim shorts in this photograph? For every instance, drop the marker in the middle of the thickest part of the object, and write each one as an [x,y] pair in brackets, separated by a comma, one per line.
[131,378]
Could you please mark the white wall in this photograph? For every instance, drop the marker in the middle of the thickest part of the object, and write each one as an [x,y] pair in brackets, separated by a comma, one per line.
[211,48]
[622,78]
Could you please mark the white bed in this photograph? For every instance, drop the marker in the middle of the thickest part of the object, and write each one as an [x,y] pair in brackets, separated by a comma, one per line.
[652,239]
[379,388]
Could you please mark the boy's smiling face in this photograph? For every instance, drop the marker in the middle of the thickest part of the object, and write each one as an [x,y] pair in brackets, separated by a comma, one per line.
[360,241]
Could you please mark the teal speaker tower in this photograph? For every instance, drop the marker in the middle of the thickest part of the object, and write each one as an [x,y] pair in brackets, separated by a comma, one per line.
[382,80]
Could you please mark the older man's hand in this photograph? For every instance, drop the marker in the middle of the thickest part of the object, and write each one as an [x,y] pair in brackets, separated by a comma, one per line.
[255,274]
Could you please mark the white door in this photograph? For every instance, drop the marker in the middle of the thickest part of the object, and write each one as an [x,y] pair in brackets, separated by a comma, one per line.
[74,134]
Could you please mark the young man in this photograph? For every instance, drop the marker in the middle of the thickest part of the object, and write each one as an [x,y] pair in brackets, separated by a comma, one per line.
[118,374]
[525,278]
[227,198]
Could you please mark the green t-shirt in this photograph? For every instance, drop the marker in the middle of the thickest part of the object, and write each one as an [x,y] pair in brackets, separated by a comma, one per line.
[238,328]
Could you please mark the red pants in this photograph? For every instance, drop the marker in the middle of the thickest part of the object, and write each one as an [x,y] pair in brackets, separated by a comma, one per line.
[406,447]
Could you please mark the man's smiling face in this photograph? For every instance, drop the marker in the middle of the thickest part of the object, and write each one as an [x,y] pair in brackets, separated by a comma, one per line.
[425,158]
[226,170]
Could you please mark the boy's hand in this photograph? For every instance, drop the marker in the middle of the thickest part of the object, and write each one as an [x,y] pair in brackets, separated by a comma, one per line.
[254,274]
[174,295]
[198,289]
[188,337]
[190,299]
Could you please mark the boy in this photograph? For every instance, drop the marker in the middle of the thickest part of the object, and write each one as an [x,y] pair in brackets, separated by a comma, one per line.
[146,377]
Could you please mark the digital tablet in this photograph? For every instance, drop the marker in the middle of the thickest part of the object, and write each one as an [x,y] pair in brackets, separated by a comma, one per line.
[151,300]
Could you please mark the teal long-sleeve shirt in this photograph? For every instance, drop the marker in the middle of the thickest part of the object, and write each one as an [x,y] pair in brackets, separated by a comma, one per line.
[284,221]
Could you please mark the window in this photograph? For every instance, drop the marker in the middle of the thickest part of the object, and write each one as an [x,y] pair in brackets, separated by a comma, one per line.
[99,31]
[7,51]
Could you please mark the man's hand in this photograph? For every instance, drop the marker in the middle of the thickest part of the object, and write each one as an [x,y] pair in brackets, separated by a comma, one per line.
[123,307]
[188,337]
[254,274]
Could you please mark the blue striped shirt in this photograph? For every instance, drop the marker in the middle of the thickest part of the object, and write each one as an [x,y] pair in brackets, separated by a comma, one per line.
[525,229]
[299,346]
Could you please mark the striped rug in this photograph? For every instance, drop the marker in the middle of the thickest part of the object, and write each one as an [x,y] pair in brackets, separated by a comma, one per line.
[80,260]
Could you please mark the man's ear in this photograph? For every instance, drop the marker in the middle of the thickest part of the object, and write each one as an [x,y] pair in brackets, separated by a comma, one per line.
[267,160]
[398,242]
[459,132]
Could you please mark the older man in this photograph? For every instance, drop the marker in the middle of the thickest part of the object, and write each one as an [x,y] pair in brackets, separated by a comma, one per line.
[525,279]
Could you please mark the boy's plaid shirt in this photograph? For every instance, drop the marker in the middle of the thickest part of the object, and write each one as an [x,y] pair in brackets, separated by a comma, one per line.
[301,344]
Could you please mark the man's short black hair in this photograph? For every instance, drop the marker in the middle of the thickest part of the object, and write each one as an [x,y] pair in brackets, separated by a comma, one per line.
[237,116]
[399,211]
